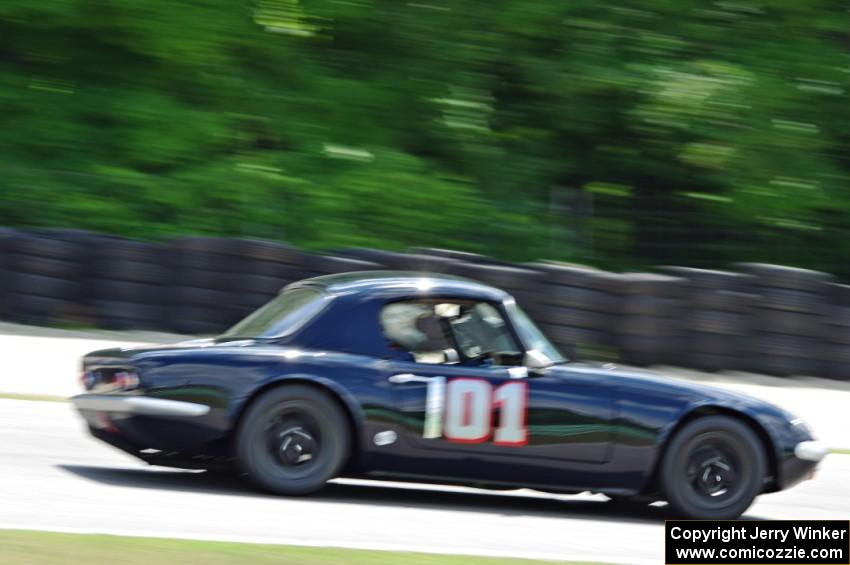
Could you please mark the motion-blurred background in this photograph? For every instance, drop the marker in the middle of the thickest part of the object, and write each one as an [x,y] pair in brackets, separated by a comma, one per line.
[621,135]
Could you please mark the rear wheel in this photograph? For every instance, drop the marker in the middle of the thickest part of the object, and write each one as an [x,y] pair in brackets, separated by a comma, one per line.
[714,468]
[292,440]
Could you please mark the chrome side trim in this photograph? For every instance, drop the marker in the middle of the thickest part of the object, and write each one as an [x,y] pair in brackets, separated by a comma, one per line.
[810,450]
[144,405]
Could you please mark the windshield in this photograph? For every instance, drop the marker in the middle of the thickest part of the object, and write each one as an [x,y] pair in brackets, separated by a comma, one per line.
[531,335]
[290,310]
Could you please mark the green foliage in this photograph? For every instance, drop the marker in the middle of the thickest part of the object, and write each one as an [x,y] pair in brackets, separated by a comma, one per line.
[623,134]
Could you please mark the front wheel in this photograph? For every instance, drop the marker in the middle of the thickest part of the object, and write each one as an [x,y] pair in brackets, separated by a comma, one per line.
[713,469]
[292,440]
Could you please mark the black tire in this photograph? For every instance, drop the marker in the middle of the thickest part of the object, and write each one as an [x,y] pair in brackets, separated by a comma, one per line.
[38,285]
[426,263]
[711,362]
[654,285]
[269,423]
[136,271]
[839,371]
[575,317]
[116,249]
[195,327]
[790,323]
[839,353]
[32,309]
[44,267]
[124,291]
[838,334]
[584,298]
[270,251]
[328,265]
[527,299]
[118,315]
[651,306]
[450,254]
[839,294]
[648,326]
[779,345]
[386,259]
[723,323]
[713,469]
[46,247]
[202,244]
[499,276]
[577,337]
[232,282]
[215,262]
[203,297]
[707,280]
[722,300]
[838,316]
[784,366]
[651,343]
[258,267]
[579,276]
[779,276]
[792,300]
[713,343]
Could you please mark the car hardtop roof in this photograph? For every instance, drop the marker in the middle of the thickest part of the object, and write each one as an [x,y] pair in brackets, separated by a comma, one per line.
[406,283]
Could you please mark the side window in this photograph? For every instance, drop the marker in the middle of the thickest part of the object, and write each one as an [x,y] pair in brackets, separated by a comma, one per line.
[480,330]
[440,331]
[418,328]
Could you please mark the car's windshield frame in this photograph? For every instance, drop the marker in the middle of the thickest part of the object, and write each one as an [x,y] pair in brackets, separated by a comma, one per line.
[529,335]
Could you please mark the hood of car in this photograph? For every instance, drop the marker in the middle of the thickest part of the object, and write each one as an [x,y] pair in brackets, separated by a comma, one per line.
[647,382]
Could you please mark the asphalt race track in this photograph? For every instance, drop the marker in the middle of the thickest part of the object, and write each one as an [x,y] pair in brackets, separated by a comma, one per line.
[53,476]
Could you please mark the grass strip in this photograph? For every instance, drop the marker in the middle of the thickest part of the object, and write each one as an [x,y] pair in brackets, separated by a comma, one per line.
[37,397]
[24,547]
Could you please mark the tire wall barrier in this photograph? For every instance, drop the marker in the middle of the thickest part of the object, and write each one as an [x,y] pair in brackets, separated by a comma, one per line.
[756,317]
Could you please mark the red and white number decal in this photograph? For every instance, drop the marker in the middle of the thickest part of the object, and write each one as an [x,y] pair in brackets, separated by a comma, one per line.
[468,411]
[512,400]
[470,407]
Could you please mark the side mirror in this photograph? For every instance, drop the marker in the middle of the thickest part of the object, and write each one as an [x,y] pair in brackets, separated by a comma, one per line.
[536,360]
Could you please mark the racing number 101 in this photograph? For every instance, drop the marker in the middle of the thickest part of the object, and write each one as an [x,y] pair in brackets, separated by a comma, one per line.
[463,411]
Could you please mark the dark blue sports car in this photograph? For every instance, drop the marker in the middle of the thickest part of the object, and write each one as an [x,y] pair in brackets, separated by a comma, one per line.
[410,376]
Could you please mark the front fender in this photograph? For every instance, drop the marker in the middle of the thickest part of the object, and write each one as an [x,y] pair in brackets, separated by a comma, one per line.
[769,422]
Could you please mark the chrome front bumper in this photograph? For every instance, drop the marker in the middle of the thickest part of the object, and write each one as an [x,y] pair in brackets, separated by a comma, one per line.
[142,405]
[810,450]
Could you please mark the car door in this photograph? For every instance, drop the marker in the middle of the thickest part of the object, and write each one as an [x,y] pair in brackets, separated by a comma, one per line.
[499,423]
[486,419]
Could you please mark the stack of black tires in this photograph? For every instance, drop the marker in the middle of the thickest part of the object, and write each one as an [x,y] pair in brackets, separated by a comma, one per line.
[127,283]
[789,321]
[650,318]
[577,308]
[43,273]
[717,319]
[837,339]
